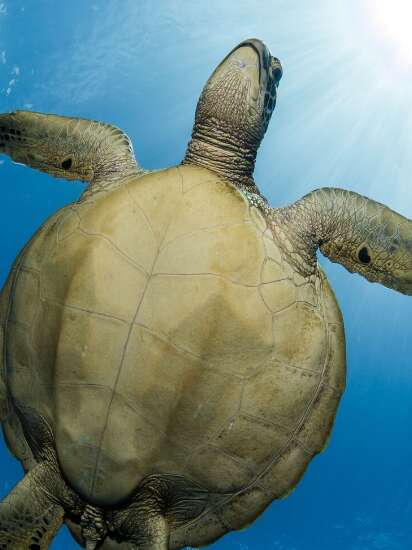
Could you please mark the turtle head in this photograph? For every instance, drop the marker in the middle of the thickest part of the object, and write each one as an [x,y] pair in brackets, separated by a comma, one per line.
[242,90]
[235,107]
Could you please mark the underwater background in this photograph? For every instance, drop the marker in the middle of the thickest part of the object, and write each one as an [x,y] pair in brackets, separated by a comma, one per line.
[343,119]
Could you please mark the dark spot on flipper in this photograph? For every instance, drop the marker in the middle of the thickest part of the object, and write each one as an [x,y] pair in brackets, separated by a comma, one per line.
[7,137]
[34,547]
[363,255]
[11,131]
[67,164]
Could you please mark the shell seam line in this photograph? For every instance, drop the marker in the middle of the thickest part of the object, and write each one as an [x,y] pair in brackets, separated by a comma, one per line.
[106,421]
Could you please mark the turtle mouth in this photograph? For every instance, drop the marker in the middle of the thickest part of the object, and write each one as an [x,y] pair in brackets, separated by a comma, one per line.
[270,68]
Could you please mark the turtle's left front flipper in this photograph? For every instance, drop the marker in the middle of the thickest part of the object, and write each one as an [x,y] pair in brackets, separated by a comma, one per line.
[30,516]
[71,148]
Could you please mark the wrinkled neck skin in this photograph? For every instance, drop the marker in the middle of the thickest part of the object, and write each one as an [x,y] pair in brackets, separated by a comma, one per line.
[233,113]
[231,155]
[364,236]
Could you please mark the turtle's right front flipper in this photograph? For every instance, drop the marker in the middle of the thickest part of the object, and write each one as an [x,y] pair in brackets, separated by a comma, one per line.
[71,148]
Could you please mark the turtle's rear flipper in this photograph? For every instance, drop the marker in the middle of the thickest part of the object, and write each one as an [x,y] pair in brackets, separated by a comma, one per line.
[142,523]
[29,515]
[71,148]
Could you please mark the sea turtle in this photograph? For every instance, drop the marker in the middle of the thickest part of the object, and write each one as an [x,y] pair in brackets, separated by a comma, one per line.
[173,356]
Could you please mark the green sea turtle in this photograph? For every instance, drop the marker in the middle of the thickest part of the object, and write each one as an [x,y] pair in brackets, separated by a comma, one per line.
[173,356]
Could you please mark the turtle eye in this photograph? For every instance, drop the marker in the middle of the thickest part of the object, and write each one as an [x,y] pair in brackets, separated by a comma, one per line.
[363,255]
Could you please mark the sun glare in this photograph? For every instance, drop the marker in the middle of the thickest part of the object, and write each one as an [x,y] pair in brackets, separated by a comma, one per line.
[393,21]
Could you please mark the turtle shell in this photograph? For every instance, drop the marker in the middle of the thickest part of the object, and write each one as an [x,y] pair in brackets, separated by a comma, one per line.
[158,329]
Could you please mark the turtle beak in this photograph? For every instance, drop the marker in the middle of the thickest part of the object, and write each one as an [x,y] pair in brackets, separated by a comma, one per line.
[269,67]
[253,58]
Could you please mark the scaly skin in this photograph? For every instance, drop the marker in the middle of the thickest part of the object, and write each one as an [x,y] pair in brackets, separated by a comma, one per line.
[364,236]
[70,148]
[227,134]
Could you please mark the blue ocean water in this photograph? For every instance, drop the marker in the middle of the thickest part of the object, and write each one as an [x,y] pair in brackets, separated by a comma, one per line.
[343,119]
